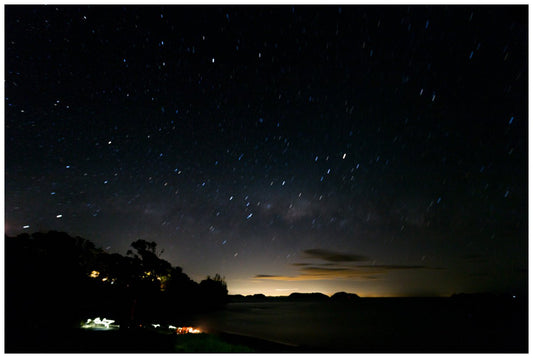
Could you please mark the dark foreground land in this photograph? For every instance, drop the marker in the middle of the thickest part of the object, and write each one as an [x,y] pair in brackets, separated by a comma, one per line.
[438,325]
[141,341]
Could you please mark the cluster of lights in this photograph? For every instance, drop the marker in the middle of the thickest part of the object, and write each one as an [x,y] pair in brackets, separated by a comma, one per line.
[187,330]
[96,274]
[147,274]
[105,323]
[98,323]
[179,330]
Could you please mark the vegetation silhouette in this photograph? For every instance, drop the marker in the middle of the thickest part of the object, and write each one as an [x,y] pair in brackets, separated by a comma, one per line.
[54,282]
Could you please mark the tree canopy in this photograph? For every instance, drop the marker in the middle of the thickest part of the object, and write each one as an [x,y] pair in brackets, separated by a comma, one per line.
[51,275]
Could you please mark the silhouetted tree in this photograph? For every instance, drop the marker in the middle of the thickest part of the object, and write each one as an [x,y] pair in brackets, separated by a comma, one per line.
[214,291]
[154,267]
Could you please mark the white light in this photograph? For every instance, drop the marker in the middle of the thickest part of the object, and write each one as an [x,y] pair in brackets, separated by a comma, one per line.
[26,227]
[213,60]
[172,327]
[156,325]
[106,322]
[100,323]
[59,216]
[344,156]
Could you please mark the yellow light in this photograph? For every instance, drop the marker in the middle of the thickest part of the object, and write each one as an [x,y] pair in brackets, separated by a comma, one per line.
[94,274]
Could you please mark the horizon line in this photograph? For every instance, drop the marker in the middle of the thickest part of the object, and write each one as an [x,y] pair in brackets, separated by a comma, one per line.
[329,295]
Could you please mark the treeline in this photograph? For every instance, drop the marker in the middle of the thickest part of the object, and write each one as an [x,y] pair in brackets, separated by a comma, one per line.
[55,281]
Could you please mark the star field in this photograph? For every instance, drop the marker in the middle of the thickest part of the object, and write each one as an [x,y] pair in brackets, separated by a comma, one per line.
[242,138]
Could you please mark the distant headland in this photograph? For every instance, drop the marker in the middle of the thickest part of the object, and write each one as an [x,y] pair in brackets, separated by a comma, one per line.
[296,297]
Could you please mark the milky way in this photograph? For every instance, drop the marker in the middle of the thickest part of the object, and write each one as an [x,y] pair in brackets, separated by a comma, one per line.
[380,150]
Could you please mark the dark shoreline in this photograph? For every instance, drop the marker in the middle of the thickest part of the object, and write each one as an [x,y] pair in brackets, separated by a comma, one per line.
[146,341]
[142,341]
[257,344]
[438,325]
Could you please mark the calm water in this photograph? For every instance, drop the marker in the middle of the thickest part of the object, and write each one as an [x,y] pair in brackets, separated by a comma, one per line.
[434,325]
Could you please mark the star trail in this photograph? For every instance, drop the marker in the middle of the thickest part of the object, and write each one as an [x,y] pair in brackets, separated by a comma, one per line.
[380,150]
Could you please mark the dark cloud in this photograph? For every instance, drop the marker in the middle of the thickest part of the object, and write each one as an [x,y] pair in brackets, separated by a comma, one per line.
[338,266]
[324,269]
[400,267]
[333,256]
[322,273]
[322,264]
[266,276]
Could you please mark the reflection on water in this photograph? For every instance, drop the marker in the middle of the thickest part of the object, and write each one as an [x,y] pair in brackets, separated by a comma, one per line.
[370,324]
[301,323]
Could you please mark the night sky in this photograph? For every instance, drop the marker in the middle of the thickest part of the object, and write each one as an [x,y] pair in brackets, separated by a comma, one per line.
[380,150]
